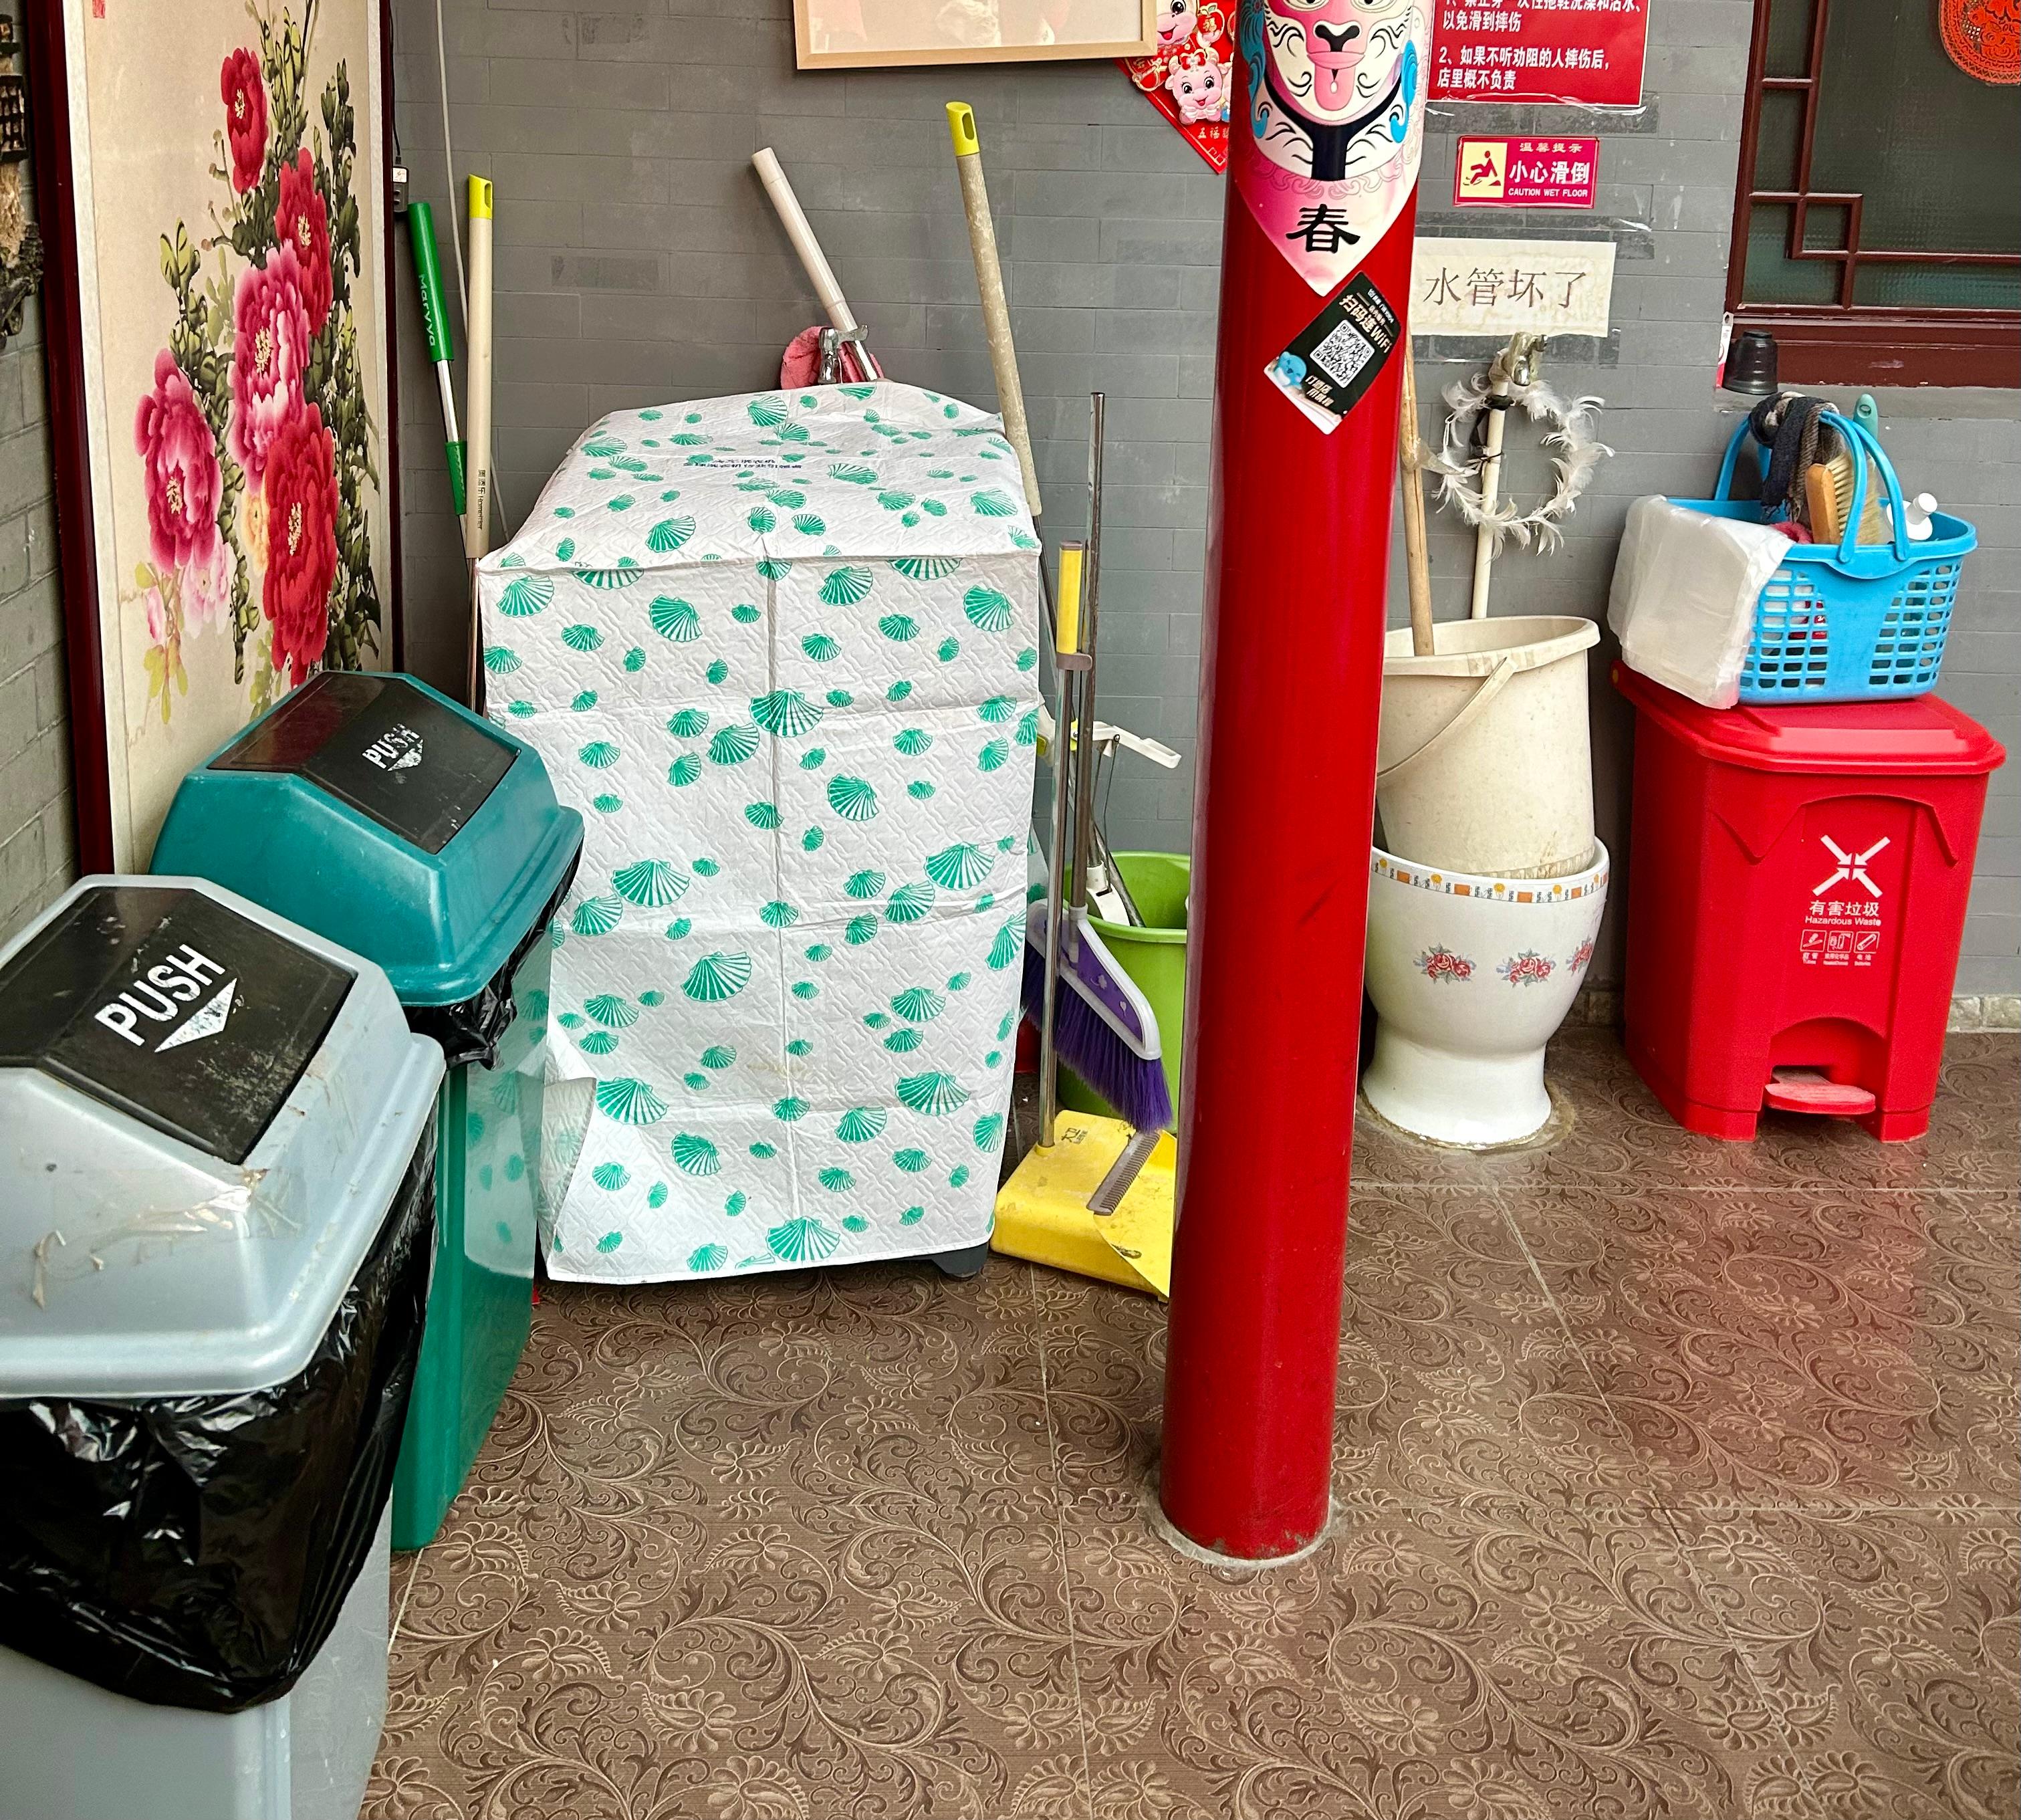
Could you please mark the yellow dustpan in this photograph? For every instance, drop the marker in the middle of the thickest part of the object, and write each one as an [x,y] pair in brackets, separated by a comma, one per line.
[1042,1210]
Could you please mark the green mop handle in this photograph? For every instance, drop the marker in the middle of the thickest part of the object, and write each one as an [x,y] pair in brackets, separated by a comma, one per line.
[442,350]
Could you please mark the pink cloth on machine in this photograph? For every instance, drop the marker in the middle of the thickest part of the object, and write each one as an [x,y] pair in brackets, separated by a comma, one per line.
[800,364]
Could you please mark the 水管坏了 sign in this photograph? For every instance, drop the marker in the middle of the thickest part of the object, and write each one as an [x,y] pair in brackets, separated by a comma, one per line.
[1508,287]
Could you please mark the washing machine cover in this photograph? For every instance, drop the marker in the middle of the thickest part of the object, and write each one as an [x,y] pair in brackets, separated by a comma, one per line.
[781,652]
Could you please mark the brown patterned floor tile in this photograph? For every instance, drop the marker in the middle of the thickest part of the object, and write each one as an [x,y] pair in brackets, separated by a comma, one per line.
[875,1543]
[1448,1337]
[849,1660]
[1999,1217]
[1105,1367]
[1621,1139]
[668,1397]
[1473,1659]
[1891,1645]
[1774,1348]
[787,1551]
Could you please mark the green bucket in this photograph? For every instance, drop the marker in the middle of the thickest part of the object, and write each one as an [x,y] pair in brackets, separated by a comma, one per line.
[1153,956]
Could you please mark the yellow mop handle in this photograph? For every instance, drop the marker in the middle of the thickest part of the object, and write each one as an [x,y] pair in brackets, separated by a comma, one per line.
[477,377]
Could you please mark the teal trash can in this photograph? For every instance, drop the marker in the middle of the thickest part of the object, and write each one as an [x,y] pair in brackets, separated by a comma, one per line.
[382,815]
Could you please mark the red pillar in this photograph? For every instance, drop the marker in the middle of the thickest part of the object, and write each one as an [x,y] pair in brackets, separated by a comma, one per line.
[1297,550]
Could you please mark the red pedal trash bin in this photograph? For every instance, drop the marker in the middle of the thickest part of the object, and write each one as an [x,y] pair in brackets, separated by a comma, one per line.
[1795,901]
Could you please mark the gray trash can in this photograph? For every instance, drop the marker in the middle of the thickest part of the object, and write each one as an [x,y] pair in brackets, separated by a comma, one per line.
[217,1218]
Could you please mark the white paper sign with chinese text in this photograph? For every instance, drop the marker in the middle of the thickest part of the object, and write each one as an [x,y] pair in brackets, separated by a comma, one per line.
[1510,287]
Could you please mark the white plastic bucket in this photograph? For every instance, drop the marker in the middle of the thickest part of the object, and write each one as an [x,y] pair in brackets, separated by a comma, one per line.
[1485,764]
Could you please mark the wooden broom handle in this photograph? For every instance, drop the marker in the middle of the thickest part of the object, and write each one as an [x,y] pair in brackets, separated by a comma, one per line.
[989,281]
[477,374]
[1417,562]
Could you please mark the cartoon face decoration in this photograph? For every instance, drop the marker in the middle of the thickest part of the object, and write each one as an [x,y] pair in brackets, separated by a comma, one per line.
[1333,95]
[1198,85]
[1339,82]
[1176,19]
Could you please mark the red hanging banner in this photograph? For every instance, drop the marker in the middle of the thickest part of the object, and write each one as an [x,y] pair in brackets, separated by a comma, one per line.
[1590,51]
[1188,78]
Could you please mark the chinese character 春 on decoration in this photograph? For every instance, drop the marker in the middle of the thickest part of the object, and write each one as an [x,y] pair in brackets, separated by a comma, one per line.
[1187,78]
[1328,126]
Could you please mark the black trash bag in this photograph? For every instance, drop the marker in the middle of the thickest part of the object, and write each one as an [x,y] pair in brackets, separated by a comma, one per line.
[471,1029]
[196,1551]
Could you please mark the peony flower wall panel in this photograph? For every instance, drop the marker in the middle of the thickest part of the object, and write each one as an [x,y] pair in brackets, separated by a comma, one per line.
[228,298]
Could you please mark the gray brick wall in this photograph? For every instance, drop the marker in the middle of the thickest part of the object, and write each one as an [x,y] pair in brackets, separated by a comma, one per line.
[638,261]
[38,850]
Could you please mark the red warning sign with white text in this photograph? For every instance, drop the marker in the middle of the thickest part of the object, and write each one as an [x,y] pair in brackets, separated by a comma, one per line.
[1844,917]
[1541,50]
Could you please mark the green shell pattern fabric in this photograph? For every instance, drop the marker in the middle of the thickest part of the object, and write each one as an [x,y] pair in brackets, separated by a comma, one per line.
[776,993]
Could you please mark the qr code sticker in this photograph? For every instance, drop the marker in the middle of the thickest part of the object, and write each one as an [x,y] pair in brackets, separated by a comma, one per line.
[1343,353]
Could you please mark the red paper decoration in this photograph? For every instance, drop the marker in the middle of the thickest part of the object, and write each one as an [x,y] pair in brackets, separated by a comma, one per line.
[1187,78]
[1982,38]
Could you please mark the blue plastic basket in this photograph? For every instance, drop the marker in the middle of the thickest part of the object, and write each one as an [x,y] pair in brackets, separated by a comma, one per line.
[1856,622]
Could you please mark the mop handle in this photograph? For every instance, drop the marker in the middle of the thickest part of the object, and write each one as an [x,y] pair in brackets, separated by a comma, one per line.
[793,218]
[989,282]
[1083,858]
[442,349]
[1514,366]
[1491,489]
[477,506]
[1417,566]
[1066,636]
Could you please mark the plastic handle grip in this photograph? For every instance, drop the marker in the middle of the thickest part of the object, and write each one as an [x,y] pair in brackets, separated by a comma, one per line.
[961,129]
[1864,448]
[1066,635]
[427,272]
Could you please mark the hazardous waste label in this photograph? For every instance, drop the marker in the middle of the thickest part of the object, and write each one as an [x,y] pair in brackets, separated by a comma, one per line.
[1843,919]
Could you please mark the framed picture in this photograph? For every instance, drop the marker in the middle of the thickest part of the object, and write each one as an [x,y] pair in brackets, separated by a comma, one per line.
[212,180]
[845,34]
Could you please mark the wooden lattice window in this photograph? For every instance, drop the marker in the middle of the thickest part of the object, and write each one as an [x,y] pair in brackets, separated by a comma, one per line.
[1876,228]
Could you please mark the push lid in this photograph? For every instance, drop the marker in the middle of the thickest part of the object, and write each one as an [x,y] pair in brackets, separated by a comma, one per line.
[408,760]
[171,1007]
[388,818]
[1923,736]
[205,1114]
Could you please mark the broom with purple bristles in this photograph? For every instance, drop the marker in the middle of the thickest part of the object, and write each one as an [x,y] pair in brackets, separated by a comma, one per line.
[1101,1025]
